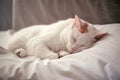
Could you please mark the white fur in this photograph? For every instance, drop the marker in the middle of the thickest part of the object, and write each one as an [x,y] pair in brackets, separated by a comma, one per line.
[47,41]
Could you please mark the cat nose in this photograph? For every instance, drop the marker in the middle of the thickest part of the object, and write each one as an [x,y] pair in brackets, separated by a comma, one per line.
[74,49]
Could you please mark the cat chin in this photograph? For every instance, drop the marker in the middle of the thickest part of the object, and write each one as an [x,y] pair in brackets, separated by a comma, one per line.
[78,50]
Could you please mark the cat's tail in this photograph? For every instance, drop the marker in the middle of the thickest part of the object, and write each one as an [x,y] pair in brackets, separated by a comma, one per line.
[20,52]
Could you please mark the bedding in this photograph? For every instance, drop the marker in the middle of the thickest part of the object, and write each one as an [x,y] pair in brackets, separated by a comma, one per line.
[100,62]
[4,36]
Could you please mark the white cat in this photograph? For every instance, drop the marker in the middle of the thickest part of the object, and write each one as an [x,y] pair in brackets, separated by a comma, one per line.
[54,40]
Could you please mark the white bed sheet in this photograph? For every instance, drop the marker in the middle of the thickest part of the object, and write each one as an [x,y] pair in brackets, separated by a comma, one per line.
[101,62]
[4,37]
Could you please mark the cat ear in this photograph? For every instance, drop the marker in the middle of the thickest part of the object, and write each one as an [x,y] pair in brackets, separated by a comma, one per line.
[80,24]
[99,36]
[76,21]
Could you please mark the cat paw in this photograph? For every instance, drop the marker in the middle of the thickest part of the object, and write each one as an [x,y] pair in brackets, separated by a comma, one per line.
[20,52]
[52,56]
[62,53]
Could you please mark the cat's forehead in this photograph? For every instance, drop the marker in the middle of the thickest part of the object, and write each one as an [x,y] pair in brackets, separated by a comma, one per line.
[91,32]
[88,29]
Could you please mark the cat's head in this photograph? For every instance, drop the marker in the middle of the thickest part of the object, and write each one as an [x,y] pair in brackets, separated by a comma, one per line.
[84,35]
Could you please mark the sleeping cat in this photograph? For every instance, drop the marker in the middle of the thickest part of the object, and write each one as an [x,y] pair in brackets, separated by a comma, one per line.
[54,40]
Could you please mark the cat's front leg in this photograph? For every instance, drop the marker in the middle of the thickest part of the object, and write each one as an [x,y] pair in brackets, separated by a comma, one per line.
[37,47]
[51,55]
[44,53]
[63,53]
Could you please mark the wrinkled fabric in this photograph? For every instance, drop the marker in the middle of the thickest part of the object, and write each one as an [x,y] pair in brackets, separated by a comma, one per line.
[100,62]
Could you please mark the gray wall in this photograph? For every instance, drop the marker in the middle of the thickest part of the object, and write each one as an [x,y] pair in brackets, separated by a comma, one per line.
[103,9]
[5,14]
[32,12]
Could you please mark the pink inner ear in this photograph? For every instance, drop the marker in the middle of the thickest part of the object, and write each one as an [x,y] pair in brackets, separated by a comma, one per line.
[82,25]
[99,36]
[76,21]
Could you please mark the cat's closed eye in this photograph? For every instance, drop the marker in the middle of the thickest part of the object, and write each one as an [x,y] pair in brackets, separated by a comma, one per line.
[82,45]
[74,40]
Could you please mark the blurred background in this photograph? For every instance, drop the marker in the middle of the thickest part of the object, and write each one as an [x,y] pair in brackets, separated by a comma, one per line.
[5,14]
[17,14]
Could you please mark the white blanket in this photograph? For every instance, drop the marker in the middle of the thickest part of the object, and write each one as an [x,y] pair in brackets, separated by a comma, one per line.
[100,62]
